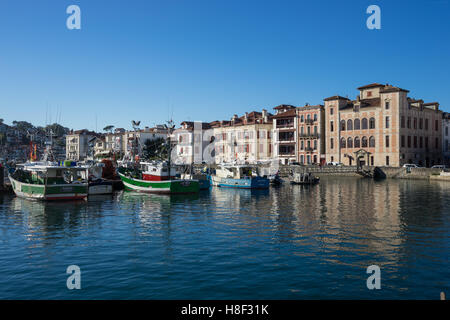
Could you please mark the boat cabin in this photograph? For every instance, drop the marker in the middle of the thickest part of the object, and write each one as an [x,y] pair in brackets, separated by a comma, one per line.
[157,171]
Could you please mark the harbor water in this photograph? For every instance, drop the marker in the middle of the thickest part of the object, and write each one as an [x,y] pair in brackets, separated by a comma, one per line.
[288,242]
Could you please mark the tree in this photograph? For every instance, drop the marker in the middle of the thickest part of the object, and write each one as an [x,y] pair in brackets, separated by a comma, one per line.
[155,149]
[1,121]
[108,128]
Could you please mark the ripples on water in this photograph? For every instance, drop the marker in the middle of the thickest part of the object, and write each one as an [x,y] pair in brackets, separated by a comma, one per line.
[291,242]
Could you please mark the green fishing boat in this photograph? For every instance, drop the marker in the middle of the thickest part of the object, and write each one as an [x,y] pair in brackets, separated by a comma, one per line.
[155,178]
[48,181]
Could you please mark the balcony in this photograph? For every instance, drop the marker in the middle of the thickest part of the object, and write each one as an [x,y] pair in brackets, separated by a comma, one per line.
[309,135]
[309,121]
[288,125]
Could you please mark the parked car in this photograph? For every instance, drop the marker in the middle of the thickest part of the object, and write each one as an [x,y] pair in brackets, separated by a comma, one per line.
[333,163]
[439,166]
[410,165]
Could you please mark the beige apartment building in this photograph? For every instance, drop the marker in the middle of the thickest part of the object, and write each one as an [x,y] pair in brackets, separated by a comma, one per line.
[382,127]
[311,134]
[246,139]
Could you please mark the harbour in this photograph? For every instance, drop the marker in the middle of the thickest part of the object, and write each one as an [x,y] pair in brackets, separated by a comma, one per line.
[286,242]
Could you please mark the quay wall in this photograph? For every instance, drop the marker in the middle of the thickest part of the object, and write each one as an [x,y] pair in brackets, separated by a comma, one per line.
[352,171]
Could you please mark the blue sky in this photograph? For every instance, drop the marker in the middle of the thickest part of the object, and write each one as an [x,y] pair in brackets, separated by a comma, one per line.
[207,59]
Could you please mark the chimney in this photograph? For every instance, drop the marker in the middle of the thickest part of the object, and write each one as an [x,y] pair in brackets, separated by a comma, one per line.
[264,115]
[246,117]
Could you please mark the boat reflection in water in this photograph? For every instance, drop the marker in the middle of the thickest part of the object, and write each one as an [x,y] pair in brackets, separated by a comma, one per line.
[234,243]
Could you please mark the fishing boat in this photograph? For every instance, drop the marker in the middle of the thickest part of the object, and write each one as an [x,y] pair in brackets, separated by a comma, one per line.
[155,177]
[94,175]
[49,181]
[239,176]
[305,178]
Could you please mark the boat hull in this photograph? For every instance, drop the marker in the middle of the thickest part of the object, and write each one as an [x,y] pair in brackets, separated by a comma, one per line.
[49,192]
[253,183]
[161,187]
[102,187]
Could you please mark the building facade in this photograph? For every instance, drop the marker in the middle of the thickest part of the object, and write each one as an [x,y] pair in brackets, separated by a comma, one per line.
[77,144]
[311,134]
[285,135]
[246,139]
[191,140]
[382,127]
[446,138]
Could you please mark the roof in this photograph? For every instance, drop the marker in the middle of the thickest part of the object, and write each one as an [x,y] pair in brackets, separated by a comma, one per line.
[335,98]
[284,106]
[364,103]
[190,125]
[372,85]
[288,114]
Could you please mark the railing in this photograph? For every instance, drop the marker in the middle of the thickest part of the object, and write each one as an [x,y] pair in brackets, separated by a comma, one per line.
[285,125]
[309,121]
[309,135]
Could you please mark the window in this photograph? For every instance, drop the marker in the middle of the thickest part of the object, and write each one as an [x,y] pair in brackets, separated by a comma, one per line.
[415,123]
[301,145]
[331,110]
[371,160]
[356,124]
[331,143]
[349,124]
[387,160]
[342,143]
[402,141]
[357,143]
[420,123]
[426,142]
[302,159]
[421,142]
[387,122]
[302,118]
[409,141]
[386,105]
[403,122]
[369,93]
[387,141]
[364,142]
[342,125]
[349,143]
[415,142]
[364,123]
[331,126]
[446,131]
[436,142]
[372,123]
[408,123]
[426,124]
[315,117]
[315,129]
[315,144]
[436,125]
[372,142]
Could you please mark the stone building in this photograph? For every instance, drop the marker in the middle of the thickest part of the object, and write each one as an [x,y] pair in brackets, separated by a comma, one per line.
[382,127]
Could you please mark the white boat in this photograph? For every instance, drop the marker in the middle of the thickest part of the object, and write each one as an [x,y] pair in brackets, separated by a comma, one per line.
[238,176]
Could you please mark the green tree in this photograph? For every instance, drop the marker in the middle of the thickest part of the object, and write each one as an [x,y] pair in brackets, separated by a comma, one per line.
[108,128]
[155,149]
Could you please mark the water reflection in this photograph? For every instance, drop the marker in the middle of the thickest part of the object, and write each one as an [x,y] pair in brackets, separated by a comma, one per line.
[342,224]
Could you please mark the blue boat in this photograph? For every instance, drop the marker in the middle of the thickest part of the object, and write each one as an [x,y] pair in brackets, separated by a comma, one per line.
[234,176]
